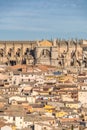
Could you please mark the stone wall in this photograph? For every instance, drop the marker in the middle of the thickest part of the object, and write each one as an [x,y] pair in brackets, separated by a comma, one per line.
[57,53]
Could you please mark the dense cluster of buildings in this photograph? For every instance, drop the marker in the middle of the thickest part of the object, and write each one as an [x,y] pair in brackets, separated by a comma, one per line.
[43,86]
[42,97]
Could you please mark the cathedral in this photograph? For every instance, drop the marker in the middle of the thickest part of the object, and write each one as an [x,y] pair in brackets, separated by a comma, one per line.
[47,52]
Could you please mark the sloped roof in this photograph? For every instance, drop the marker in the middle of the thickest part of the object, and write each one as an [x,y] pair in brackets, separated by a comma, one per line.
[45,43]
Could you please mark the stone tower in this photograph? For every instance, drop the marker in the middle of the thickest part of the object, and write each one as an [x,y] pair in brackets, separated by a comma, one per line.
[54,54]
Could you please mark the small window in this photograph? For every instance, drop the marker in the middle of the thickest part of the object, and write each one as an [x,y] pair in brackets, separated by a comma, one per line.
[13,118]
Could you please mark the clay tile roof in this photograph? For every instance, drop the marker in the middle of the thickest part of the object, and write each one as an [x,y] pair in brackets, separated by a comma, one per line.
[2,124]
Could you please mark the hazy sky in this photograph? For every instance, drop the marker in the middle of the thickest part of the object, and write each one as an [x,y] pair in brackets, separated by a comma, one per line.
[43,19]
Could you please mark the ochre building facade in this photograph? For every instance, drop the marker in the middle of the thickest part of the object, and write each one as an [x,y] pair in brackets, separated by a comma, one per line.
[56,53]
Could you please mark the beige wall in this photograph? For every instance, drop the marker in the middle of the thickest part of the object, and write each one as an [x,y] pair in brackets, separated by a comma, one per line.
[55,52]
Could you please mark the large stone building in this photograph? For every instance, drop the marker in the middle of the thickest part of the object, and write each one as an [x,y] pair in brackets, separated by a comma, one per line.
[57,53]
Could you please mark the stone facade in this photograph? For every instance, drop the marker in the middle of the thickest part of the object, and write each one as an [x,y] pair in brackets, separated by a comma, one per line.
[57,53]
